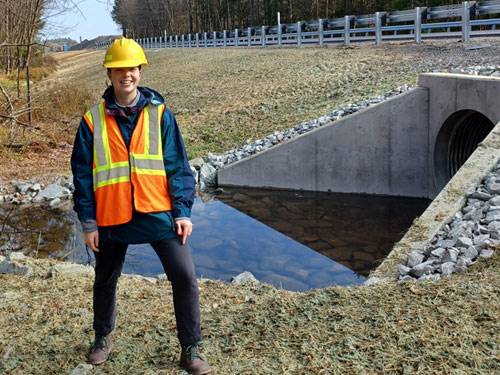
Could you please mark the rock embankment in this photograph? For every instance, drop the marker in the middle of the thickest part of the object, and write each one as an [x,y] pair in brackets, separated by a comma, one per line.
[472,233]
[25,192]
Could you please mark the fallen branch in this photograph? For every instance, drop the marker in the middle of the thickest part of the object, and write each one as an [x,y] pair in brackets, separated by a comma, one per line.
[23,124]
[7,98]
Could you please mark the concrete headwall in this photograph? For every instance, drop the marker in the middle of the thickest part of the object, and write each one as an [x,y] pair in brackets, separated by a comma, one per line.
[386,149]
[375,151]
[449,94]
[451,199]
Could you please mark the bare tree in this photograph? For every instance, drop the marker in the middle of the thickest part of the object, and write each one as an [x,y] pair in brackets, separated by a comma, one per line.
[21,22]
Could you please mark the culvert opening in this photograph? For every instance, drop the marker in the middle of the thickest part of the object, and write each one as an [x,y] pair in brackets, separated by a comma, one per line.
[458,138]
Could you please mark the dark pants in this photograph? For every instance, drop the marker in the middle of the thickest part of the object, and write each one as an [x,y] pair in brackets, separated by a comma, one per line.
[178,265]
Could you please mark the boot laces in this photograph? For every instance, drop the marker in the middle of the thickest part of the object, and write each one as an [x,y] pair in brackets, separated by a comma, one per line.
[192,352]
[100,342]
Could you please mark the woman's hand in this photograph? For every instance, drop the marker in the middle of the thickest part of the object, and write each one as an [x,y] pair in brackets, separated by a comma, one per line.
[92,240]
[184,229]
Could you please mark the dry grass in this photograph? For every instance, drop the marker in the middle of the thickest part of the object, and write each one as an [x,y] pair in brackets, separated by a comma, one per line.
[222,98]
[43,149]
[445,327]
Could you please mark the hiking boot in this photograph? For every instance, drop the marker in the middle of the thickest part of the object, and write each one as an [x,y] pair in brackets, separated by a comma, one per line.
[192,361]
[99,351]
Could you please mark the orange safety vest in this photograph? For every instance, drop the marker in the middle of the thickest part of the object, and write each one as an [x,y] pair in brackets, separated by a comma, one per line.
[125,179]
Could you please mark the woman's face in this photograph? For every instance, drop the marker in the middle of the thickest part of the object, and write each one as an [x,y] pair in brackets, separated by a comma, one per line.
[125,80]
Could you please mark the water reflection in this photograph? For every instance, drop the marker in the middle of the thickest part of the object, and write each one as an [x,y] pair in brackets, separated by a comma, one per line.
[269,233]
[40,232]
[357,231]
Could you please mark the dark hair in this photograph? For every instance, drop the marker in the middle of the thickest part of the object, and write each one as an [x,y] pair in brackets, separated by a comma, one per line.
[140,68]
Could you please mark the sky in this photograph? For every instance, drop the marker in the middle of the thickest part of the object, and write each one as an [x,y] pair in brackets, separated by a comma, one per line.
[94,19]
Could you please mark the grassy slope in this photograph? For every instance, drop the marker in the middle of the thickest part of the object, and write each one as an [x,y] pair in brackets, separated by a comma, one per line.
[223,97]
[444,327]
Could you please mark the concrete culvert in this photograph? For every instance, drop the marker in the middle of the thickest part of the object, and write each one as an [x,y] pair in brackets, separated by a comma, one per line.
[457,140]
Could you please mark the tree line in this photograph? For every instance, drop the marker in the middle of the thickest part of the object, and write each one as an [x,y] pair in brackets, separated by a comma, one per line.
[143,18]
[20,21]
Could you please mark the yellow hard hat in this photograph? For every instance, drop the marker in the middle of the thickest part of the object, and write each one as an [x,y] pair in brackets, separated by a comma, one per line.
[124,53]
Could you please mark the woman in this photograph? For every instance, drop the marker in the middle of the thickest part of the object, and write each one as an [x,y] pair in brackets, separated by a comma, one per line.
[133,184]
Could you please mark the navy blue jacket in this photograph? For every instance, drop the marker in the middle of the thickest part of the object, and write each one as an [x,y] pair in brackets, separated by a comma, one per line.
[143,228]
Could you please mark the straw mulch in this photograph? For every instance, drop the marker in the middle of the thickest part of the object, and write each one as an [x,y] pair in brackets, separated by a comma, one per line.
[444,327]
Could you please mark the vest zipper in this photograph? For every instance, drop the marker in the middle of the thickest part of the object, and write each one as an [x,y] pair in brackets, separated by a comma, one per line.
[130,177]
[129,165]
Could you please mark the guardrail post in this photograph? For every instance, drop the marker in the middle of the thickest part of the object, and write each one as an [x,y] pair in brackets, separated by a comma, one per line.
[171,41]
[249,36]
[236,41]
[224,36]
[320,32]
[378,28]
[263,36]
[205,39]
[347,30]
[418,25]
[182,40]
[197,39]
[279,34]
[466,21]
[299,33]
[189,40]
[215,39]
[165,38]
[177,41]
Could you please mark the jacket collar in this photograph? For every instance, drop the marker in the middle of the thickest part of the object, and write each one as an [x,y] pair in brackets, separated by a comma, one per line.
[146,96]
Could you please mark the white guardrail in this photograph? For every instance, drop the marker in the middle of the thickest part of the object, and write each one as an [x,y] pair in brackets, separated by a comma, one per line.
[471,19]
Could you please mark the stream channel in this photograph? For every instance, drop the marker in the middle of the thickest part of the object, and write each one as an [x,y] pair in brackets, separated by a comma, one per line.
[292,240]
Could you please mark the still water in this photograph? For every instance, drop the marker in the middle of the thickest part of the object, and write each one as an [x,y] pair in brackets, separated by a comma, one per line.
[293,240]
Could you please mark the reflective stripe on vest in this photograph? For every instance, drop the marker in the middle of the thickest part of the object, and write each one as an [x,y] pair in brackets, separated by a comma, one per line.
[150,162]
[127,178]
